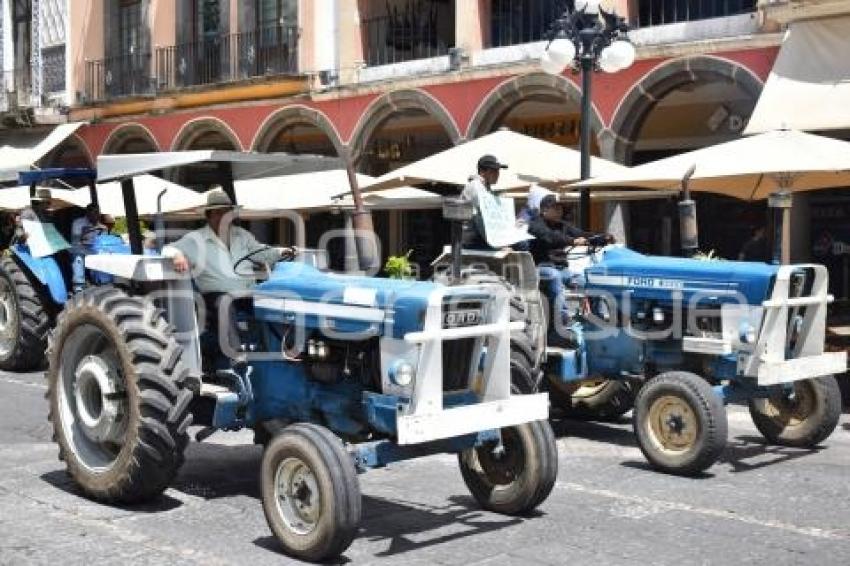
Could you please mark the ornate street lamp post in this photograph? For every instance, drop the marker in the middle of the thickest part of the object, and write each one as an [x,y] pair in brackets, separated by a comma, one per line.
[587,39]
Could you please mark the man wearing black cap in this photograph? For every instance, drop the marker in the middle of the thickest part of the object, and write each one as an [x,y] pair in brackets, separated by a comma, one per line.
[551,236]
[474,236]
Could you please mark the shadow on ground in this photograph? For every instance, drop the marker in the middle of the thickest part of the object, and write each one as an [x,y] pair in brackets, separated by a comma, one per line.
[61,480]
[748,453]
[410,526]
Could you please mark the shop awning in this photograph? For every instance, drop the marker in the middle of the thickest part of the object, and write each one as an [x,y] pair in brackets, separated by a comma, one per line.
[245,165]
[28,149]
[809,86]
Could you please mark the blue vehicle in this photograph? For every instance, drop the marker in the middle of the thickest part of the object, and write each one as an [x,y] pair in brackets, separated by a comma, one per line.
[335,374]
[683,337]
[33,289]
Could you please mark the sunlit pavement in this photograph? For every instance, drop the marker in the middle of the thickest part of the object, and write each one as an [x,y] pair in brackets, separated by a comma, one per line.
[760,504]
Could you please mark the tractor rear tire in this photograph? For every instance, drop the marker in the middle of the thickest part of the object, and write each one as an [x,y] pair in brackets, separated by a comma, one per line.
[524,376]
[680,423]
[520,477]
[311,494]
[803,421]
[24,322]
[595,400]
[118,398]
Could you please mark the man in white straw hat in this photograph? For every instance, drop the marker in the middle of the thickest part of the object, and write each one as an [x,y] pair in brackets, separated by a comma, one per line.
[213,252]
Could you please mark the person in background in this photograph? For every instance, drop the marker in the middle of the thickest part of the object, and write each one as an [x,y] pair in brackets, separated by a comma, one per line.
[109,222]
[38,211]
[84,230]
[489,168]
[532,205]
[757,248]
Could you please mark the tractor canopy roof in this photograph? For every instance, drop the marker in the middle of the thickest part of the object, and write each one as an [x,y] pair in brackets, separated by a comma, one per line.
[243,165]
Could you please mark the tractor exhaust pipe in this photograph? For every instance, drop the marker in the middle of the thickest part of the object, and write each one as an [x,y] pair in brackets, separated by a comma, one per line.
[688,229]
[457,211]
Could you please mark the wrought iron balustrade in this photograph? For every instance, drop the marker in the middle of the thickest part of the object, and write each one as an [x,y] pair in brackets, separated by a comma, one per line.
[659,12]
[406,32]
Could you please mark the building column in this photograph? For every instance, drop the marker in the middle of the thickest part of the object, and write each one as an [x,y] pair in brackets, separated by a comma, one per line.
[472,29]
[86,17]
[351,58]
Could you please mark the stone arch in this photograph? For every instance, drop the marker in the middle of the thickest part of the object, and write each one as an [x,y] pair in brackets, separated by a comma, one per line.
[73,152]
[194,131]
[397,101]
[533,86]
[662,80]
[132,135]
[292,116]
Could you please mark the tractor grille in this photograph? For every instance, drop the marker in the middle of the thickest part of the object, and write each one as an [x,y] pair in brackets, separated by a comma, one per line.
[458,354]
[457,359]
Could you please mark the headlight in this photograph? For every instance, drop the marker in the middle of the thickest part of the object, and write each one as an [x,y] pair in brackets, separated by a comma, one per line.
[401,373]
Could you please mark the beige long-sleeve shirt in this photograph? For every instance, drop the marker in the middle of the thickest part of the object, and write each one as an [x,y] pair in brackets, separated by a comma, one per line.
[212,260]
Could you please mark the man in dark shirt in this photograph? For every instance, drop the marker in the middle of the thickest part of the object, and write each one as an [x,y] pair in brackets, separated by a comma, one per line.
[551,238]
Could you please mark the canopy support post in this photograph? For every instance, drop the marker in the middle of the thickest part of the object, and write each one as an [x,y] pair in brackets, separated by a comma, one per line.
[364,230]
[134,231]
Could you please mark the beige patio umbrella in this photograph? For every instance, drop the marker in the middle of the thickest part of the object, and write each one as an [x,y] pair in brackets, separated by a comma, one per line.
[771,165]
[529,160]
[175,197]
[322,190]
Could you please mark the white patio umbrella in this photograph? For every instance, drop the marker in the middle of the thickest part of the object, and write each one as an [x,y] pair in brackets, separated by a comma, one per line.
[176,197]
[530,160]
[322,190]
[750,168]
[770,165]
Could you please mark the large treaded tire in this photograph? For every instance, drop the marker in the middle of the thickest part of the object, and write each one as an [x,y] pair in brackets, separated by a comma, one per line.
[524,476]
[155,398]
[697,436]
[331,474]
[28,324]
[779,421]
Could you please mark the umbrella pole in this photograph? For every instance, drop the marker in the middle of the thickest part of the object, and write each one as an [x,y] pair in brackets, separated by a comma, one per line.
[780,202]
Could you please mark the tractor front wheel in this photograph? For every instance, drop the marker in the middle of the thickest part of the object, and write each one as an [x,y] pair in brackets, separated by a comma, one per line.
[680,423]
[515,476]
[311,495]
[23,320]
[801,417]
[118,398]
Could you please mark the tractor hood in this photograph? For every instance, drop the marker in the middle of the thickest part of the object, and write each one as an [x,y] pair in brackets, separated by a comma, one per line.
[656,278]
[345,303]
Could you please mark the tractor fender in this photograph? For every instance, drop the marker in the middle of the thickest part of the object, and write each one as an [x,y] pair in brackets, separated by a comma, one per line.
[45,270]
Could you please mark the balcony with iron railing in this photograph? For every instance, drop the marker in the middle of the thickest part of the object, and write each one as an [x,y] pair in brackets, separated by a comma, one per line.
[661,12]
[514,22]
[407,31]
[265,52]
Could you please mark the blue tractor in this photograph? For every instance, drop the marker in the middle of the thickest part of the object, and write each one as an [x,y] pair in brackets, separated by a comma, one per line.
[34,288]
[335,374]
[682,337]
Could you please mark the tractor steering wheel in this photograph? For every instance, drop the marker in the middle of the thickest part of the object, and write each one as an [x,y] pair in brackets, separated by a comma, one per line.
[288,254]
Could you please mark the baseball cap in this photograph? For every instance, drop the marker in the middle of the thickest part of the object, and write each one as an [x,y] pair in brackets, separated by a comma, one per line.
[490,162]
